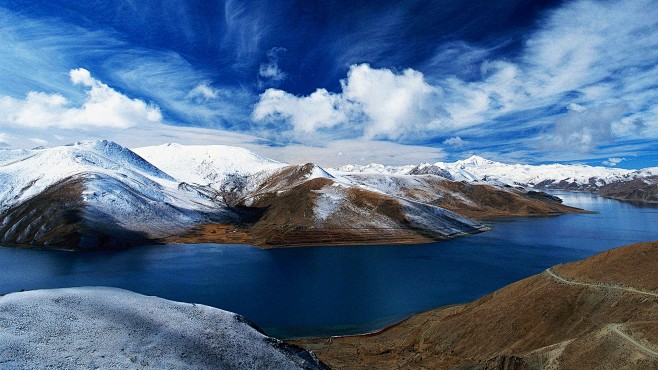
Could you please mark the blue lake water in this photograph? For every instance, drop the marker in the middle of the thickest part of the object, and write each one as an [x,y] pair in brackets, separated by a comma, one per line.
[341,290]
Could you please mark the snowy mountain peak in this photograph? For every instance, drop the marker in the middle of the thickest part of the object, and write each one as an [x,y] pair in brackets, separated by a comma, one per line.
[476,161]
[478,169]
[206,164]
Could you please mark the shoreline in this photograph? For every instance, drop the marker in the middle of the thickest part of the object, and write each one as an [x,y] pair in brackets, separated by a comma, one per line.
[374,332]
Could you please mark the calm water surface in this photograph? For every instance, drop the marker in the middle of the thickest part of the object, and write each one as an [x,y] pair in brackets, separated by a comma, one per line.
[341,290]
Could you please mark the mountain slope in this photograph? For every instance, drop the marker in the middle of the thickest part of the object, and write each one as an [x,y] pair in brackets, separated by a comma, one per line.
[304,205]
[108,328]
[636,190]
[101,195]
[98,194]
[601,312]
[467,199]
[212,165]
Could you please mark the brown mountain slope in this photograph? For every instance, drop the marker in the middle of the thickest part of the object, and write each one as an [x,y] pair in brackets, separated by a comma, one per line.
[303,205]
[472,200]
[58,218]
[637,190]
[598,313]
[320,211]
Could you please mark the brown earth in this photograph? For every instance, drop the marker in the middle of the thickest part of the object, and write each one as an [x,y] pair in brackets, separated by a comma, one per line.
[485,201]
[287,220]
[478,201]
[643,190]
[281,212]
[284,204]
[542,322]
[57,218]
[50,218]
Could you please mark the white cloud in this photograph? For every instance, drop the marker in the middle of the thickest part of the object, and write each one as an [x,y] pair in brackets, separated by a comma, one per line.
[393,104]
[4,139]
[583,130]
[271,71]
[456,142]
[353,151]
[245,29]
[319,110]
[585,56]
[613,161]
[38,141]
[203,92]
[383,104]
[102,107]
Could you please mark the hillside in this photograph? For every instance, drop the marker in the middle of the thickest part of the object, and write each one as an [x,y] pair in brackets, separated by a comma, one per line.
[99,194]
[466,198]
[643,190]
[108,328]
[96,195]
[302,205]
[601,312]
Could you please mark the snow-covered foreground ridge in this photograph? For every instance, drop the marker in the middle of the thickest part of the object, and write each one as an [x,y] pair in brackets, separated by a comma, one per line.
[108,328]
[478,169]
[98,194]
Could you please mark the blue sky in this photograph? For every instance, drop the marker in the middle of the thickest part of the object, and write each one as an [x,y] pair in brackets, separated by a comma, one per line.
[338,82]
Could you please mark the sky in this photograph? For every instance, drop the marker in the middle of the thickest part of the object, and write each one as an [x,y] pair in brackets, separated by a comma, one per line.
[338,81]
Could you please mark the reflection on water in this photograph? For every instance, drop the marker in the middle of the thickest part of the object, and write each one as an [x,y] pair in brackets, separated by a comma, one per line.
[340,290]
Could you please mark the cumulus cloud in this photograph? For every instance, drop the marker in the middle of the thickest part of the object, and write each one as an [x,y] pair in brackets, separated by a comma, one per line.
[587,73]
[269,72]
[381,103]
[393,104]
[456,142]
[321,109]
[102,107]
[613,161]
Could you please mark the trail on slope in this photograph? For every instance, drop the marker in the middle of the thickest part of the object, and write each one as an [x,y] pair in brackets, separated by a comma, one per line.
[600,285]
[615,327]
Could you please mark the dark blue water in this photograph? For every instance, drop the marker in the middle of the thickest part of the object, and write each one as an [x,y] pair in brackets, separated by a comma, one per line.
[341,290]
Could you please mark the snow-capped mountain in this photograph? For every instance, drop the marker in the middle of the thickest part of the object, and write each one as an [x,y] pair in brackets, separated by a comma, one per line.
[100,186]
[209,165]
[99,194]
[478,169]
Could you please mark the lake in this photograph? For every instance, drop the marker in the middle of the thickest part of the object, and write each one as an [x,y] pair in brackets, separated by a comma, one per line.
[341,290]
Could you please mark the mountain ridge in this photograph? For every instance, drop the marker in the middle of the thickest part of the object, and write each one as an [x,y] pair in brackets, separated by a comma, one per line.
[555,176]
[117,197]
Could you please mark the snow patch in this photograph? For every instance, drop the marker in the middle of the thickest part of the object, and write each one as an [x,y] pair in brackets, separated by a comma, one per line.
[94,327]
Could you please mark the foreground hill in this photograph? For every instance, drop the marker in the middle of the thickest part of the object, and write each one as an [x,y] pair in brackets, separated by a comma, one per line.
[601,313]
[107,328]
[99,194]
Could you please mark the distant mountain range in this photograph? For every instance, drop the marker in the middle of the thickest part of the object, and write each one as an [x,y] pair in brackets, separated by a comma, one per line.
[632,185]
[99,194]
